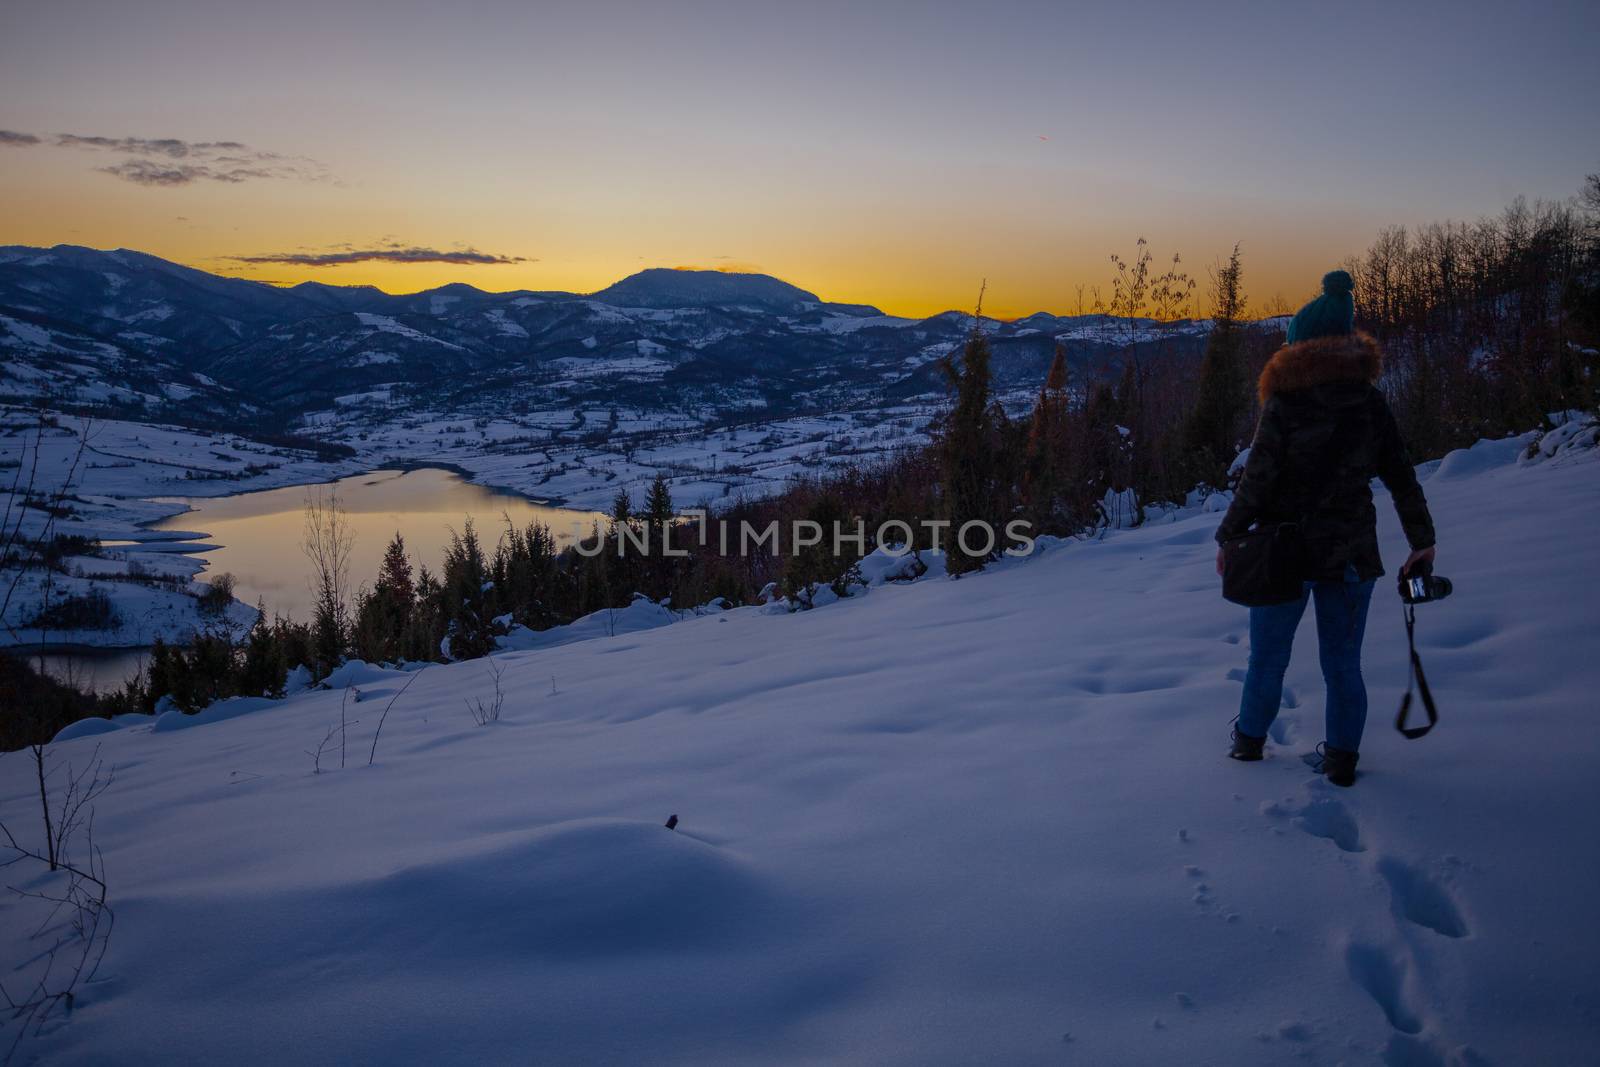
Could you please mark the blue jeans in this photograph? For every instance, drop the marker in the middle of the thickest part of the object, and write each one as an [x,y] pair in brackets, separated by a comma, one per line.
[1341,624]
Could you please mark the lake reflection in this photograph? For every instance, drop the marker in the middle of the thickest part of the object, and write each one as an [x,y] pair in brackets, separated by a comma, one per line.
[258,535]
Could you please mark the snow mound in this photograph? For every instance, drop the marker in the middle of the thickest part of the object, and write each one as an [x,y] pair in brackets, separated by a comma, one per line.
[359,672]
[1482,456]
[588,887]
[882,566]
[1575,432]
[221,711]
[642,614]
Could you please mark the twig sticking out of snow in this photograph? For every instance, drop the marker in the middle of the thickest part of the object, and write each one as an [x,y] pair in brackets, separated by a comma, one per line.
[83,933]
[316,757]
[484,714]
[382,718]
[344,727]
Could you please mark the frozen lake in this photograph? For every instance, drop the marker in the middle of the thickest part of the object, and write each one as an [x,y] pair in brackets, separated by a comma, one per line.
[257,537]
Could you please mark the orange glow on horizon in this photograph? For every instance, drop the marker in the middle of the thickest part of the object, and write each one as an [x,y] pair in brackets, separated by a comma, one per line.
[401,280]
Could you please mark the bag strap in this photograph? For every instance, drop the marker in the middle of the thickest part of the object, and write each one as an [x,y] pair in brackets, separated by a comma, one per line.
[1411,733]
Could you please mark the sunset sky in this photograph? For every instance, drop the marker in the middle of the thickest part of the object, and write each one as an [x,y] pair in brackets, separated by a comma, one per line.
[889,153]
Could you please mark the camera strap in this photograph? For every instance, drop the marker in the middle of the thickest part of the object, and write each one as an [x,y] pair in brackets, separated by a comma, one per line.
[1417,678]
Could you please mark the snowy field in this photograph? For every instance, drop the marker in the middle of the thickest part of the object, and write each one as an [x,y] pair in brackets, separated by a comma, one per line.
[975,821]
[580,457]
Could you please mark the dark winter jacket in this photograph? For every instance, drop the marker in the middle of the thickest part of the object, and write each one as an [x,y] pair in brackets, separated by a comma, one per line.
[1325,431]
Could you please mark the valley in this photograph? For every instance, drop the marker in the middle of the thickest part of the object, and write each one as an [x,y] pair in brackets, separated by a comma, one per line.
[127,381]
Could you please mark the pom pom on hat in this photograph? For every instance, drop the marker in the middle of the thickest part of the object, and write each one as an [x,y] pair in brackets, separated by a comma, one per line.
[1333,314]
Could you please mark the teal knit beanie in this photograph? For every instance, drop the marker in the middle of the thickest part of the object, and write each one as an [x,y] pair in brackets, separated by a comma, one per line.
[1333,314]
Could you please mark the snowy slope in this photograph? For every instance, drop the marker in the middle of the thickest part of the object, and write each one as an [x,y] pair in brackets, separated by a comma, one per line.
[976,821]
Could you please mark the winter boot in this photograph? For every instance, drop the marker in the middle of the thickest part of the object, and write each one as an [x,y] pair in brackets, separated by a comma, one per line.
[1339,765]
[1245,748]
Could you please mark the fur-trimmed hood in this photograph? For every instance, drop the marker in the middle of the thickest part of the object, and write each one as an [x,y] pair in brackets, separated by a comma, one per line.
[1350,358]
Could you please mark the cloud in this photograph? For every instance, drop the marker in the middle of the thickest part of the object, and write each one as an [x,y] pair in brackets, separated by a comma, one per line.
[168,161]
[161,146]
[393,253]
[149,172]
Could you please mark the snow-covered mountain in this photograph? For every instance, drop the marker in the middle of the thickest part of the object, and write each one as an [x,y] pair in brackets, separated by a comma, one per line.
[661,287]
[985,821]
[672,339]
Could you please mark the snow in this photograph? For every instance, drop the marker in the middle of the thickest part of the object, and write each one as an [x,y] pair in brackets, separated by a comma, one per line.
[504,324]
[370,359]
[846,324]
[637,367]
[640,615]
[386,324]
[951,821]
[156,312]
[26,333]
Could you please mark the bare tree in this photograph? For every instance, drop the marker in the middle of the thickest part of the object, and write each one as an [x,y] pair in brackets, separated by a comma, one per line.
[21,549]
[63,820]
[73,915]
[326,541]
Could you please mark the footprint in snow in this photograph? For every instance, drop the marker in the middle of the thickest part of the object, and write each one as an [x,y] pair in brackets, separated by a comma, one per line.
[1382,974]
[1319,817]
[1326,817]
[1283,730]
[1420,899]
[1404,1050]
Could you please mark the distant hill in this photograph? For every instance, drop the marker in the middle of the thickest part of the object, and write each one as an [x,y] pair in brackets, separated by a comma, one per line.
[662,287]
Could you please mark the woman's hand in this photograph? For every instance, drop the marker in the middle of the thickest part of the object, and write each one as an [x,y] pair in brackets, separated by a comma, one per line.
[1219,560]
[1419,555]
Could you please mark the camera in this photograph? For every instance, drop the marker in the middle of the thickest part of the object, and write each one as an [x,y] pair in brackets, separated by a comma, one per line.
[1421,585]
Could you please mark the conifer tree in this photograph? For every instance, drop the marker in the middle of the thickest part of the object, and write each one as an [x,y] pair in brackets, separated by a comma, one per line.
[466,607]
[967,450]
[265,667]
[382,612]
[1046,458]
[1211,433]
[811,566]
[658,516]
[160,673]
[394,575]
[621,510]
[658,503]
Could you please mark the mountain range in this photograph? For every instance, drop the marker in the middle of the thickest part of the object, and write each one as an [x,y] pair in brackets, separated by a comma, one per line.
[145,337]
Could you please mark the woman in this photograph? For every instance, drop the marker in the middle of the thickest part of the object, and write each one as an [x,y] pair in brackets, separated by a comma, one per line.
[1325,431]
